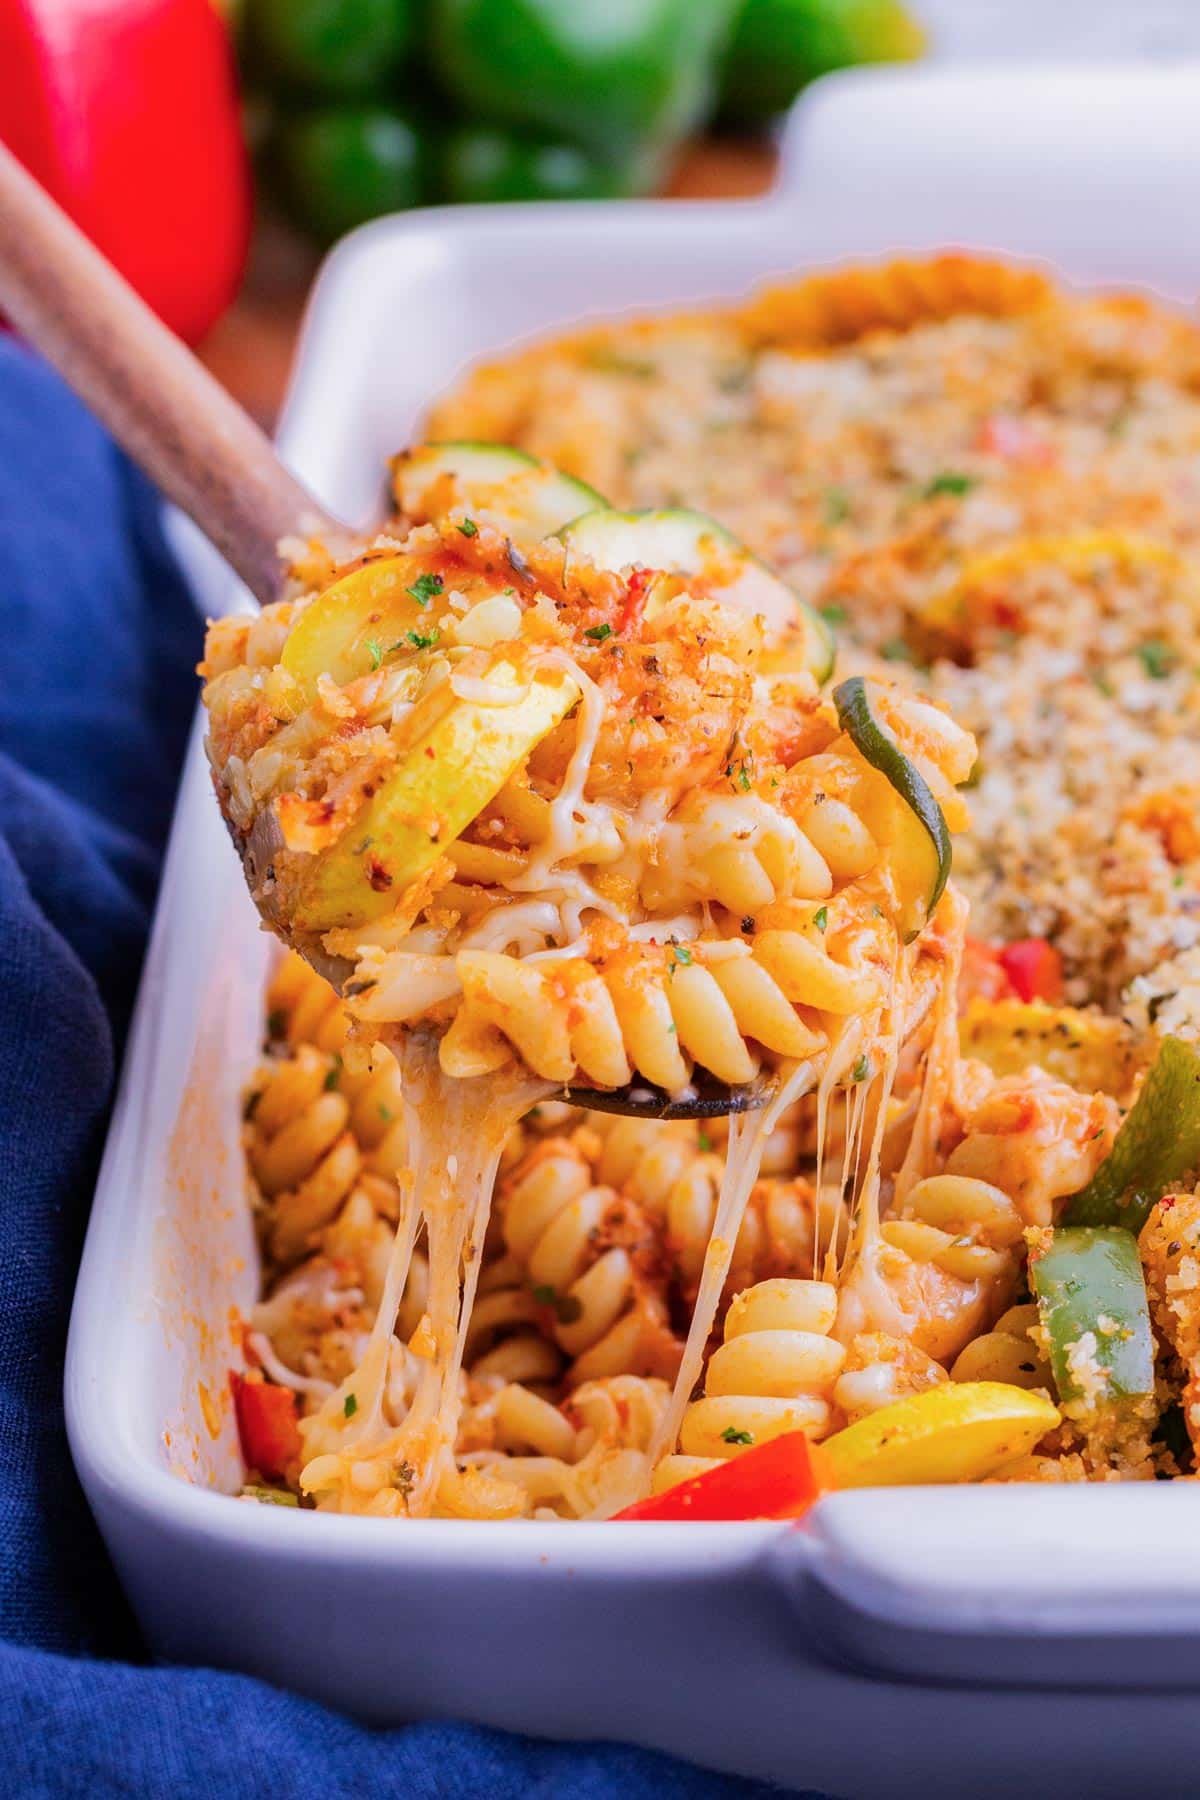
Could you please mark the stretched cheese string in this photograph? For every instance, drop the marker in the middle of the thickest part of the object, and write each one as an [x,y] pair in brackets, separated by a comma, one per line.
[866,1300]
[456,1129]
[943,1054]
[748,1134]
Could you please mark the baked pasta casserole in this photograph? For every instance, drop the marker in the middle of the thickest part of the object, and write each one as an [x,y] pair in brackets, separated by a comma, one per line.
[569,820]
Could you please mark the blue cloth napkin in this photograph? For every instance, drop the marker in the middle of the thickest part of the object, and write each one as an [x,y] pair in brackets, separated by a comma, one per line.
[98,642]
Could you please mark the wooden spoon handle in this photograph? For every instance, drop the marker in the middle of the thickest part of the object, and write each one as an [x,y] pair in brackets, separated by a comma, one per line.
[158,401]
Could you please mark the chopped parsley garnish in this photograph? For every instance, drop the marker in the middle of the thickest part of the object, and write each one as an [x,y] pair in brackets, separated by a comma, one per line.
[351,1405]
[375,651]
[704,1142]
[362,848]
[423,640]
[836,507]
[861,1069]
[425,588]
[385,1113]
[681,956]
[269,1496]
[468,527]
[950,481]
[731,1435]
[612,363]
[567,1308]
[833,614]
[1157,658]
[821,917]
[334,1074]
[896,650]
[598,633]
[1102,684]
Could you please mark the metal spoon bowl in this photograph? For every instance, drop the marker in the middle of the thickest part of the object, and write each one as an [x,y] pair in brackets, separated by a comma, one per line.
[707,1099]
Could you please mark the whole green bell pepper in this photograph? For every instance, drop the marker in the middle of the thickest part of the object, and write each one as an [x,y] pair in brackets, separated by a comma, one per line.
[336,167]
[780,45]
[616,76]
[487,162]
[343,49]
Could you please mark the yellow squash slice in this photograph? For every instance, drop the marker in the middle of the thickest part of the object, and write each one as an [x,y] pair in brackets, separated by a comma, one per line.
[1090,1051]
[962,1431]
[350,628]
[457,756]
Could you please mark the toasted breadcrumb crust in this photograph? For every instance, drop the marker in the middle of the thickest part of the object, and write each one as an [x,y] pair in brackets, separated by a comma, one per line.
[951,436]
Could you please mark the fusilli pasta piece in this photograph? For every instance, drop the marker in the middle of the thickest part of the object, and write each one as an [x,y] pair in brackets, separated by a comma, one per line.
[592,1265]
[775,1371]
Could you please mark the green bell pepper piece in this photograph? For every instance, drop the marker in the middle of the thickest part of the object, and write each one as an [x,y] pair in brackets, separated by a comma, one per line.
[1158,1143]
[1090,1281]
[488,162]
[336,167]
[616,76]
[780,45]
[343,49]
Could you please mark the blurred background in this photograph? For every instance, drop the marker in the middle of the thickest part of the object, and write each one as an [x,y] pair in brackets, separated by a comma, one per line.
[214,150]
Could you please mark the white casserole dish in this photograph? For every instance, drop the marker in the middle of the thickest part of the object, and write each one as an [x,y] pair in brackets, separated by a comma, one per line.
[1034,1629]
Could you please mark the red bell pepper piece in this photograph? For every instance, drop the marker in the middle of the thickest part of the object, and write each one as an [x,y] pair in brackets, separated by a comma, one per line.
[637,587]
[1015,441]
[1034,968]
[127,112]
[775,1480]
[983,975]
[266,1422]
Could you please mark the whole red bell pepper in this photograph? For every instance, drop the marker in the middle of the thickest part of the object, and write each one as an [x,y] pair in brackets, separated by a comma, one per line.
[127,112]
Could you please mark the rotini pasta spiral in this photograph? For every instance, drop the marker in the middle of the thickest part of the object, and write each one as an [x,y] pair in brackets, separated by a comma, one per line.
[584,1459]
[304,1010]
[591,1264]
[1010,1352]
[506,1334]
[774,1372]
[940,1270]
[671,1172]
[301,1151]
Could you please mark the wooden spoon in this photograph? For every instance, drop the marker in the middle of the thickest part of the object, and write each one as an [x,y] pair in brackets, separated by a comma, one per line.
[199,447]
[157,400]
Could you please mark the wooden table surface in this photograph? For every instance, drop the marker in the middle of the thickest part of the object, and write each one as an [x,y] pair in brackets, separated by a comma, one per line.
[251,349]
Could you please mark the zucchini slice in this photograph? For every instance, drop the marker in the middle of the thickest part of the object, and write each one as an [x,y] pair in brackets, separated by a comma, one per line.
[457,757]
[687,542]
[506,487]
[920,847]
